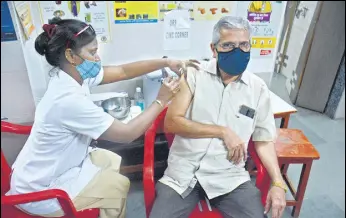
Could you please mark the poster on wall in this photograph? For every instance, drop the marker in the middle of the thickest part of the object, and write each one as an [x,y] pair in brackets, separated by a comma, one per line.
[24,14]
[211,10]
[177,30]
[8,33]
[126,12]
[94,13]
[167,6]
[265,18]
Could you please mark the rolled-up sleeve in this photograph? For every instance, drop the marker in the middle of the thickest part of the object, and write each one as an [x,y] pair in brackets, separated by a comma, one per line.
[265,129]
[191,79]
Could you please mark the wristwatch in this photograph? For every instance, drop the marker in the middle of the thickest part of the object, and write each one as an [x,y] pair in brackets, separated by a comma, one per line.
[280,185]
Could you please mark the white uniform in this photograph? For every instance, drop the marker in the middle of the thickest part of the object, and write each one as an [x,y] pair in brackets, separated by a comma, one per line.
[56,152]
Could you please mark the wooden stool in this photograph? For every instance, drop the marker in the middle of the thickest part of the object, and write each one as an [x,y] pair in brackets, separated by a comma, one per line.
[292,147]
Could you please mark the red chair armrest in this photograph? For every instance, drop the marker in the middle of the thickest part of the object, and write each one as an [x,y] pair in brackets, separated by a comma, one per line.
[148,165]
[15,128]
[262,179]
[148,169]
[61,196]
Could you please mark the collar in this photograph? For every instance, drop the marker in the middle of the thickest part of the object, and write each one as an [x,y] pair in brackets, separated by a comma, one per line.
[65,80]
[211,67]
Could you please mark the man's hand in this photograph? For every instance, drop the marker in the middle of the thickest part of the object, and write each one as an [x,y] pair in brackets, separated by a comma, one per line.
[236,147]
[276,200]
[180,67]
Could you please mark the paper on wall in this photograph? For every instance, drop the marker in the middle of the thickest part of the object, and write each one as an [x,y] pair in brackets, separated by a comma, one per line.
[167,6]
[177,27]
[126,12]
[211,10]
[94,13]
[8,33]
[24,13]
[264,17]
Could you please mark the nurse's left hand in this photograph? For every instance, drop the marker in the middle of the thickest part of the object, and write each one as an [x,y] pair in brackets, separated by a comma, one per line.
[180,67]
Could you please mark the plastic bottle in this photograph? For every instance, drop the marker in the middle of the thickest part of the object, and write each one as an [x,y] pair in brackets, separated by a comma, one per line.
[139,98]
[135,111]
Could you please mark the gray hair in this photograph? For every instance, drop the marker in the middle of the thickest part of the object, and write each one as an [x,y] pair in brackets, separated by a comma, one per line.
[230,22]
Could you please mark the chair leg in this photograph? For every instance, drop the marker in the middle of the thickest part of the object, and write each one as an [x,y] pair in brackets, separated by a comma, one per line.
[284,168]
[303,181]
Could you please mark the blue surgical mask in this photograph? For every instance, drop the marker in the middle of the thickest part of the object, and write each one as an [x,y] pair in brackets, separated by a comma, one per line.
[89,69]
[233,62]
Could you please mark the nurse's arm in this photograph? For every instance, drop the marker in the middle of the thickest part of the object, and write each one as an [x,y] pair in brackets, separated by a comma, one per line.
[175,121]
[126,133]
[129,71]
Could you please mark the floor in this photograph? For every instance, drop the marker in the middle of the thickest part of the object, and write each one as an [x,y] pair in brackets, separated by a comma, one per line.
[325,195]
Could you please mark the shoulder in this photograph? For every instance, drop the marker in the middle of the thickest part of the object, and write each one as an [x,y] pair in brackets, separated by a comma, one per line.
[256,82]
[206,68]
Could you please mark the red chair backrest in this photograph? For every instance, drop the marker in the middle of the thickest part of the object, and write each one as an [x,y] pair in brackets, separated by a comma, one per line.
[10,211]
[5,168]
[5,175]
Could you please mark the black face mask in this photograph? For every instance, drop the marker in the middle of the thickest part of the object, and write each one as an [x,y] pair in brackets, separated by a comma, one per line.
[233,62]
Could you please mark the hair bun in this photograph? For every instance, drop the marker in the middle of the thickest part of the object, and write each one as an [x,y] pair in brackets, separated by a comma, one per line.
[41,43]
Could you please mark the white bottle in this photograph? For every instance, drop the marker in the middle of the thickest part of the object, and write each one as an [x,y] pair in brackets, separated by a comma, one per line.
[135,111]
[139,98]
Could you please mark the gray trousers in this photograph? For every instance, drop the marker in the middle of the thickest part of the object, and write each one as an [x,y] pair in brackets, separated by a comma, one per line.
[243,202]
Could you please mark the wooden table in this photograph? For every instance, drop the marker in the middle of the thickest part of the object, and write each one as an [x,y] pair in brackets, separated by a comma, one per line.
[292,147]
[281,109]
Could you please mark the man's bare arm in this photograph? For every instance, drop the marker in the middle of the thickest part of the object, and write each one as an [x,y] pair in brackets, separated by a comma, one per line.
[175,121]
[267,154]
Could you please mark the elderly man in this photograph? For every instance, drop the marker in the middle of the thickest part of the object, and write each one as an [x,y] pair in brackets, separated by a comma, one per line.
[213,116]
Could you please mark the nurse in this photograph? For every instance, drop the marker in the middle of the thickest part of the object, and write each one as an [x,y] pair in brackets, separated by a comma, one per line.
[57,153]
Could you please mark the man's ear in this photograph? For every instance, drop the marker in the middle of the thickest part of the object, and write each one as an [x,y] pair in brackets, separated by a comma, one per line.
[213,49]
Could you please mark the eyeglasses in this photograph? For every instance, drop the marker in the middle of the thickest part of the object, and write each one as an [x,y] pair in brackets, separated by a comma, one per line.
[229,46]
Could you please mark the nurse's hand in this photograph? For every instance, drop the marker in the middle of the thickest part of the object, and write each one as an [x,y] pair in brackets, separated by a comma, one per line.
[180,67]
[170,87]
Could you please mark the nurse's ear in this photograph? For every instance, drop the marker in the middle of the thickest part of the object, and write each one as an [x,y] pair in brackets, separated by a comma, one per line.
[71,57]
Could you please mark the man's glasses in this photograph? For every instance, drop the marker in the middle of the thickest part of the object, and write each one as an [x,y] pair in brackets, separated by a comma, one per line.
[230,46]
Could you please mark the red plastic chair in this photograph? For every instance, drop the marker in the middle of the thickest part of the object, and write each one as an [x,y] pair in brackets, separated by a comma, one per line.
[262,180]
[8,209]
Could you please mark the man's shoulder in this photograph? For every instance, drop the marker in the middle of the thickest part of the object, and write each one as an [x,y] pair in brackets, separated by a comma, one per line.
[255,81]
[205,67]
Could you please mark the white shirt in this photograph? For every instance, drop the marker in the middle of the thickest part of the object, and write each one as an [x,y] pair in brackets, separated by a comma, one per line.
[56,152]
[205,159]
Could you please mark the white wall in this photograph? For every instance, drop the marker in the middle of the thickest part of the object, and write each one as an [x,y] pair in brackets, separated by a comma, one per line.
[34,69]
[340,111]
[17,103]
[132,42]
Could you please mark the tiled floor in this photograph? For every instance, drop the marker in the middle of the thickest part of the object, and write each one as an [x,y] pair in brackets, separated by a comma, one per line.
[325,194]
